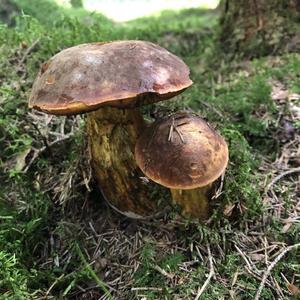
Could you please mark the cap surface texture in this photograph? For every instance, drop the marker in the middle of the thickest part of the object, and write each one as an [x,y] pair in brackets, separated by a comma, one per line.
[181,152]
[120,73]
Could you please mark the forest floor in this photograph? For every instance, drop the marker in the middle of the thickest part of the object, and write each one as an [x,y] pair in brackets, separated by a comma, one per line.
[60,240]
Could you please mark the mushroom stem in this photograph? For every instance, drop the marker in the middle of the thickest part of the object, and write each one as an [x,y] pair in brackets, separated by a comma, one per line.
[195,202]
[112,134]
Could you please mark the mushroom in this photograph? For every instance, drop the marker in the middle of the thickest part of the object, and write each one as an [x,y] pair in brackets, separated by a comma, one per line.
[184,153]
[109,81]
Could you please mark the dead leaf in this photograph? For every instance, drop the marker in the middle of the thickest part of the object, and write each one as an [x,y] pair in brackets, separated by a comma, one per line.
[232,294]
[20,160]
[286,227]
[278,94]
[294,96]
[228,209]
[257,256]
[243,208]
[295,110]
[295,291]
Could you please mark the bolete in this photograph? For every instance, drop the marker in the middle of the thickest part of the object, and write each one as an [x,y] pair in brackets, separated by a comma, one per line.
[108,81]
[184,153]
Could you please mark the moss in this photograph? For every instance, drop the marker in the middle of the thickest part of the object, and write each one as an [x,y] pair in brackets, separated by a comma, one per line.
[48,12]
[233,96]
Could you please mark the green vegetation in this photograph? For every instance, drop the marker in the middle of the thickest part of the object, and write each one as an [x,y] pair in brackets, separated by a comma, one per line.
[58,240]
[48,12]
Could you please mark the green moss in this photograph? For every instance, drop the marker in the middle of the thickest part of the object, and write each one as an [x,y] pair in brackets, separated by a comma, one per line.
[13,278]
[234,97]
[48,12]
[148,275]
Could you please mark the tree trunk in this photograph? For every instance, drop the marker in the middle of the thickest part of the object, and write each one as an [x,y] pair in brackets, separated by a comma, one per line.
[256,28]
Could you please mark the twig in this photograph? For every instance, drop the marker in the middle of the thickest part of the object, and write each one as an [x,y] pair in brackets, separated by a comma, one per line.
[277,178]
[210,275]
[99,282]
[146,289]
[38,152]
[53,284]
[278,288]
[45,141]
[271,266]
[170,136]
[243,256]
[163,272]
[27,52]
[250,268]
[179,133]
[212,108]
[220,188]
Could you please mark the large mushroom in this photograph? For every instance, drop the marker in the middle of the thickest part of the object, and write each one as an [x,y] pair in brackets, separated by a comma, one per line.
[109,81]
[184,153]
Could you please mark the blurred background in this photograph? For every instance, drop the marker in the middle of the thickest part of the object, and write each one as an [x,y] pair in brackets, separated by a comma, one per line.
[125,10]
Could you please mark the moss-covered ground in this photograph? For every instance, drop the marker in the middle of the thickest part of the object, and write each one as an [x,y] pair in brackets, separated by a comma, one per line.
[58,238]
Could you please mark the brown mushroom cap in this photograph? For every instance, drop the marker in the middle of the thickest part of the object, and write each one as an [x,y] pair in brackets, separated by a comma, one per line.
[181,152]
[120,73]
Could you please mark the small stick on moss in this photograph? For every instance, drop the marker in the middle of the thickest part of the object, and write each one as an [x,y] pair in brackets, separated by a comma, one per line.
[212,107]
[53,284]
[219,190]
[163,272]
[210,275]
[271,266]
[36,153]
[147,289]
[99,282]
[27,52]
[277,178]
[244,257]
[44,138]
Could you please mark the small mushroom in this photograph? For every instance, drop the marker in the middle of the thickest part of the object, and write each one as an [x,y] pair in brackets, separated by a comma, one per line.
[109,81]
[184,153]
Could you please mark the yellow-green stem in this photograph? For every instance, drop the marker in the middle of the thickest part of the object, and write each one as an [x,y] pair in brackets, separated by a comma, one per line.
[112,134]
[193,203]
